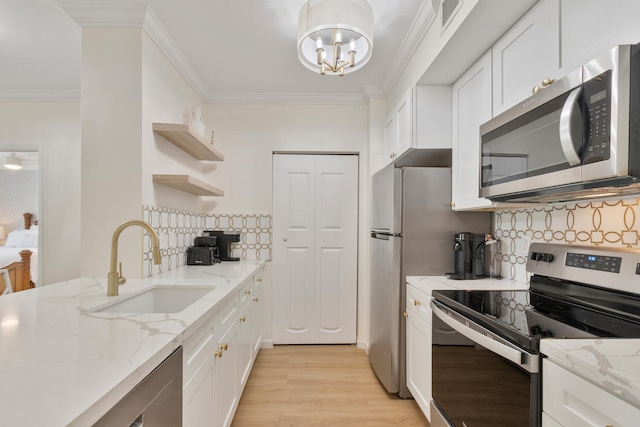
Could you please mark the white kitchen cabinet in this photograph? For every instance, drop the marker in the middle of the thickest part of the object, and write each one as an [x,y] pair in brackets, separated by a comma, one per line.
[591,27]
[471,108]
[226,396]
[421,119]
[418,347]
[219,355]
[572,401]
[526,55]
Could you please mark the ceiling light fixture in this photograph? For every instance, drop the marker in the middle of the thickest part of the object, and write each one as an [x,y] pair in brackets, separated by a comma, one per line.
[13,162]
[328,28]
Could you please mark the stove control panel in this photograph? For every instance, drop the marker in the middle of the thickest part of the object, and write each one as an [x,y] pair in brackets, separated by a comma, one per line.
[593,262]
[589,265]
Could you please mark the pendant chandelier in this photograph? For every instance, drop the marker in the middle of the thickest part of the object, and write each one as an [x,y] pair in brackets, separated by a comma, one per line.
[335,37]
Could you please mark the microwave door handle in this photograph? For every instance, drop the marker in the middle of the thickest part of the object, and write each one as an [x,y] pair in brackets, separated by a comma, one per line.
[567,116]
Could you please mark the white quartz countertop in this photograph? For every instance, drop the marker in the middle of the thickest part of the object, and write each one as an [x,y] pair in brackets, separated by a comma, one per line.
[611,363]
[63,365]
[431,283]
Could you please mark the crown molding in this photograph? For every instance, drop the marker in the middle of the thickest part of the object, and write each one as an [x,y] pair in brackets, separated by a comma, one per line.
[168,46]
[425,17]
[285,98]
[373,92]
[40,95]
[95,14]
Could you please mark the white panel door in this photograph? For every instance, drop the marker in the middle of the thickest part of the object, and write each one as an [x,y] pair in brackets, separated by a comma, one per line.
[314,248]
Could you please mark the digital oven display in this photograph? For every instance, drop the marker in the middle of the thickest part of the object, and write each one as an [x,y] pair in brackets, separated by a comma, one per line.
[598,96]
[610,264]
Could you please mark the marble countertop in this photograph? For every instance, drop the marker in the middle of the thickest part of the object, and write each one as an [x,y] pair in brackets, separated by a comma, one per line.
[72,365]
[611,363]
[430,283]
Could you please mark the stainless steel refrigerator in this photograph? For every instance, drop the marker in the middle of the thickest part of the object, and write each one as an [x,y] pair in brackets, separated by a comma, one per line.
[412,234]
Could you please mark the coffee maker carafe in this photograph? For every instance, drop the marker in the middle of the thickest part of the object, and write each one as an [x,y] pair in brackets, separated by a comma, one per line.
[470,258]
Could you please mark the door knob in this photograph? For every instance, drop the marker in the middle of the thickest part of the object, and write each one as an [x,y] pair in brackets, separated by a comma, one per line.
[284,239]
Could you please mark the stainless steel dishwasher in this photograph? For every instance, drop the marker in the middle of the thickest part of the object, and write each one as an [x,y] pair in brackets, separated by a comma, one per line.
[155,402]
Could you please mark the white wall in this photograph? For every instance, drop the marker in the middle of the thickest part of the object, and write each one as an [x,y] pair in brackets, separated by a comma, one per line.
[165,98]
[53,128]
[247,135]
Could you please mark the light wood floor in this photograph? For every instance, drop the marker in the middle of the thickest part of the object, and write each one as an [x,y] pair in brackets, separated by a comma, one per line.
[320,385]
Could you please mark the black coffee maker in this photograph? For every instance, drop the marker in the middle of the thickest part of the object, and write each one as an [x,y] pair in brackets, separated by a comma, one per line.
[471,260]
[224,239]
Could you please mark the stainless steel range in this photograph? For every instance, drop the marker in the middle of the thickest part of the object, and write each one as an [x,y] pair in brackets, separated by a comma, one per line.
[491,376]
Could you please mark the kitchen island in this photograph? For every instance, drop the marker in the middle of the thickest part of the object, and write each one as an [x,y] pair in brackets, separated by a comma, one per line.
[61,364]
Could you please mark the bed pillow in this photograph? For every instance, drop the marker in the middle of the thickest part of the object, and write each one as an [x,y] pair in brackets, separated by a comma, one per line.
[22,239]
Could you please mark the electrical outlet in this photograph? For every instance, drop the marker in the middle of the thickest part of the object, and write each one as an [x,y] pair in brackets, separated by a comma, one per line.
[523,245]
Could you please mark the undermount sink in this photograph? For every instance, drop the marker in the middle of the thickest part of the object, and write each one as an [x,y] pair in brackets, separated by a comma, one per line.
[158,299]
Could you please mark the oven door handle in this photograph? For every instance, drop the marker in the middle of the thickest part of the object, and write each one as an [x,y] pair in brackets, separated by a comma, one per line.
[487,339]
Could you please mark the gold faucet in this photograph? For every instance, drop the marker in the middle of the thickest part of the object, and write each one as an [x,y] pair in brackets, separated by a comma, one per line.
[114,278]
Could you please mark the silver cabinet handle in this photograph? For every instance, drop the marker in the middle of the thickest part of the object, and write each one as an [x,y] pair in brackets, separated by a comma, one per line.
[567,116]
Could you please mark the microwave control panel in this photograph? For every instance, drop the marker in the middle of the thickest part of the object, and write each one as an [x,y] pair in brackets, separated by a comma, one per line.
[597,118]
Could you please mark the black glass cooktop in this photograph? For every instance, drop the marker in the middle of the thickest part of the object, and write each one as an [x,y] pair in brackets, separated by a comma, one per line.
[551,308]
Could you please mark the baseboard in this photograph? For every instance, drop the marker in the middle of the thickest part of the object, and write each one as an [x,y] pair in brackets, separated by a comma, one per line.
[364,345]
[266,344]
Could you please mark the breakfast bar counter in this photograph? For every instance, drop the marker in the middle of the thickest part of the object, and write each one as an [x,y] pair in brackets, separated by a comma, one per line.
[63,364]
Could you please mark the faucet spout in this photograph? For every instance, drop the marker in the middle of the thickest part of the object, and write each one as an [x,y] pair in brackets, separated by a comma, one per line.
[115,278]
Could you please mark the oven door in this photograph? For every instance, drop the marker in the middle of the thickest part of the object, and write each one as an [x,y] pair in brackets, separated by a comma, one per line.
[490,383]
[536,144]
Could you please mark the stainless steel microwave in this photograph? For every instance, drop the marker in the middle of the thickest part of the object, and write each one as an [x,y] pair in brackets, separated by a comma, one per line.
[578,138]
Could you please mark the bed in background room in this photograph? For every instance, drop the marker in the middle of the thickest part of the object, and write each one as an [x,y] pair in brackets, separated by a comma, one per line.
[19,257]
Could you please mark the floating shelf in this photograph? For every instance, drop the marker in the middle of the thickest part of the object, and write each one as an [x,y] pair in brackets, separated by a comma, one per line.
[188,184]
[181,136]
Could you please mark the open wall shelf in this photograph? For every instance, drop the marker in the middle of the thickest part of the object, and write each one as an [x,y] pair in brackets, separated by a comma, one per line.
[181,136]
[188,184]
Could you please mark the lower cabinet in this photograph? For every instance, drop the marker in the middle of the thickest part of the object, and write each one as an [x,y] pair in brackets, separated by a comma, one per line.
[219,356]
[571,401]
[418,342]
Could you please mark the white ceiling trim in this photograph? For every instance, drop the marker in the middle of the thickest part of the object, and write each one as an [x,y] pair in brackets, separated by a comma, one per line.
[284,98]
[94,14]
[421,24]
[40,95]
[373,92]
[161,37]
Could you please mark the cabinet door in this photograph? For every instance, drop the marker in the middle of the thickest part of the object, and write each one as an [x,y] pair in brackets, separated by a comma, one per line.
[432,117]
[591,27]
[390,139]
[225,381]
[404,119]
[419,360]
[471,108]
[526,54]
[244,346]
[575,402]
[198,396]
[547,421]
[256,322]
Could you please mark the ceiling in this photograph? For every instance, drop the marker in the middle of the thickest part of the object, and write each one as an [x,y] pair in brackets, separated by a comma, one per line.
[234,48]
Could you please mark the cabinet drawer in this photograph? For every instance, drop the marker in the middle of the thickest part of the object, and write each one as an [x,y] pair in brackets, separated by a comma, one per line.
[244,294]
[228,314]
[575,402]
[418,303]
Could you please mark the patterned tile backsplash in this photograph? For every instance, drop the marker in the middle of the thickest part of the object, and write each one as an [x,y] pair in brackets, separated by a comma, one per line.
[176,230]
[612,223]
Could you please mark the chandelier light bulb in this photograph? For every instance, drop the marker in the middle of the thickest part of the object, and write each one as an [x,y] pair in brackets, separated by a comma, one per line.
[352,45]
[319,43]
[338,37]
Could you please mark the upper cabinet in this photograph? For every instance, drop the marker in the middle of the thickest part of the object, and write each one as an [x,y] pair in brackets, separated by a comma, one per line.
[527,56]
[471,107]
[421,119]
[592,27]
